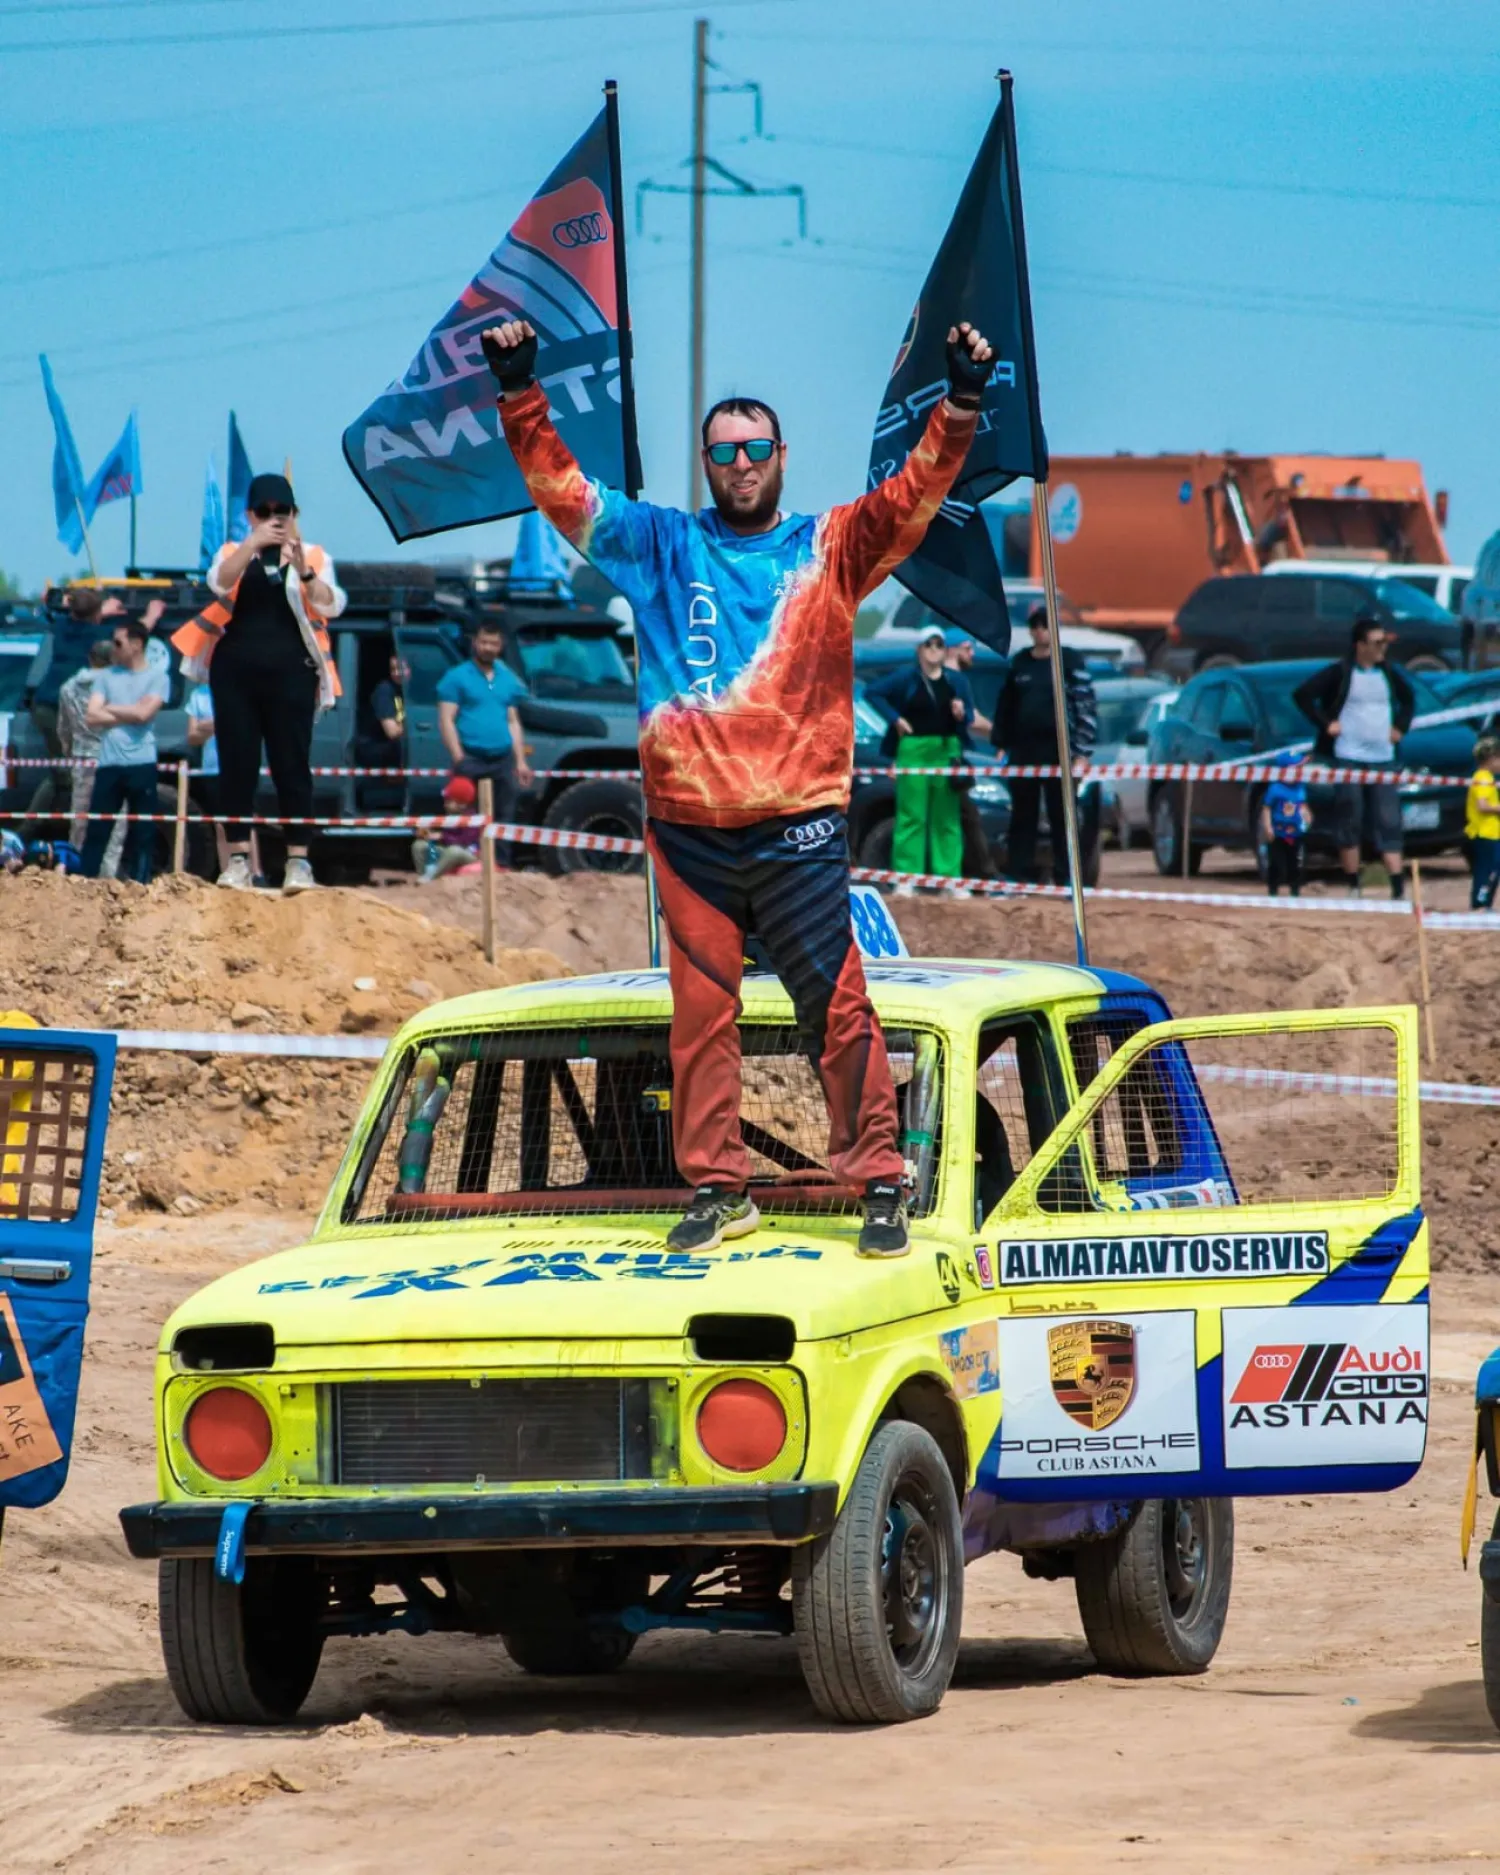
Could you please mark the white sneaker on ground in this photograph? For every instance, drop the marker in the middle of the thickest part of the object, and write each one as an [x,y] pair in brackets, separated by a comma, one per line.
[236,875]
[297,878]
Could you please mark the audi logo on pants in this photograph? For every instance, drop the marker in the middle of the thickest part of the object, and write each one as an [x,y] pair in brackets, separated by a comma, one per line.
[809,833]
[580,230]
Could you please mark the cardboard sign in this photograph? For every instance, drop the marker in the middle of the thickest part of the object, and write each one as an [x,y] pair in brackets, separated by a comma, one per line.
[27,1441]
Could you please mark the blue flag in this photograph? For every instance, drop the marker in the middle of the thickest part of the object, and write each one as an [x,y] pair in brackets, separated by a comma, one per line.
[211,531]
[429,451]
[979,275]
[240,475]
[67,470]
[119,475]
[540,561]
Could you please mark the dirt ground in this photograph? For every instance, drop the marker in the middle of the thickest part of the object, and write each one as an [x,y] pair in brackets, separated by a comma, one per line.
[1341,1727]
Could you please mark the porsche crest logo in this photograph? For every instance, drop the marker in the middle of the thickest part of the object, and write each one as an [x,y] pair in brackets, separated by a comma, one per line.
[1092,1365]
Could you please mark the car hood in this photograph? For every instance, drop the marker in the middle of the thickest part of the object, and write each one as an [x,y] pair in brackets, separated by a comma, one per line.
[583,1280]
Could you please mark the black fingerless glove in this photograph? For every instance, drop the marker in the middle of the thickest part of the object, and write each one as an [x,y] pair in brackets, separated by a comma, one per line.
[514,366]
[966,378]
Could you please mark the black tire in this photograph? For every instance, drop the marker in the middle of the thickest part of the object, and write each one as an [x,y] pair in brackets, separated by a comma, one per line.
[1429,661]
[1489,1644]
[1167,835]
[1154,1598]
[878,1603]
[612,807]
[243,1654]
[1252,827]
[569,1649]
[875,847]
[1219,661]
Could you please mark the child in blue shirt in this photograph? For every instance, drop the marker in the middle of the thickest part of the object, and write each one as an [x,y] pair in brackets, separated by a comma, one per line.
[1284,820]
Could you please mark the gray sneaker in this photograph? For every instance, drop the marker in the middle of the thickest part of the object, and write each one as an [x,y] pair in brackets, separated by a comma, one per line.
[713,1215]
[298,877]
[885,1233]
[236,875]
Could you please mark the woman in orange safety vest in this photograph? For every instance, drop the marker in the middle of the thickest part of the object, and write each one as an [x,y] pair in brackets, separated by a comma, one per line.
[264,648]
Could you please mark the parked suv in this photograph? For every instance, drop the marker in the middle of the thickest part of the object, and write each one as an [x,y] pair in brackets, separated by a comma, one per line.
[1236,715]
[1249,618]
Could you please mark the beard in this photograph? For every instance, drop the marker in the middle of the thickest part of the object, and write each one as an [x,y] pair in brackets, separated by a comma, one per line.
[752,509]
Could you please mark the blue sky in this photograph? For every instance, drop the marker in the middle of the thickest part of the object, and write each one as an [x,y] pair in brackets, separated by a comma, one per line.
[1268,229]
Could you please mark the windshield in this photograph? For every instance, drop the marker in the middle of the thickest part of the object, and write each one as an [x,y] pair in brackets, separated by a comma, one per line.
[1406,602]
[1119,715]
[576,664]
[580,1119]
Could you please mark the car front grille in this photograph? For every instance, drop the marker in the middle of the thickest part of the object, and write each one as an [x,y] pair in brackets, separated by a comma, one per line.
[490,1431]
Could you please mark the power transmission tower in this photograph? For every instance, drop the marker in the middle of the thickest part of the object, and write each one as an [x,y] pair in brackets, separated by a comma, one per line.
[726,182]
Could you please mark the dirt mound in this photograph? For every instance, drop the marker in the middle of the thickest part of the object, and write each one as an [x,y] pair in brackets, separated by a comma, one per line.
[193,1131]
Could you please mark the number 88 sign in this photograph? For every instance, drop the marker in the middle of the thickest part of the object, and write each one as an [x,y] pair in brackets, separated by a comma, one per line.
[875,932]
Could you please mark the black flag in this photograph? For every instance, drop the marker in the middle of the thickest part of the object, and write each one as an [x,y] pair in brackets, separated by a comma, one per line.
[979,275]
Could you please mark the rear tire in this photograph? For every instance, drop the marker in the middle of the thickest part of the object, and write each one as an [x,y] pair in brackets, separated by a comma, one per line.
[1428,661]
[240,1654]
[610,807]
[878,1602]
[1167,835]
[1489,1644]
[875,847]
[1154,1599]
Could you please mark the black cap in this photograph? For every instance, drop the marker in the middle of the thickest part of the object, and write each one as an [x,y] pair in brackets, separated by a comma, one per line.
[269,491]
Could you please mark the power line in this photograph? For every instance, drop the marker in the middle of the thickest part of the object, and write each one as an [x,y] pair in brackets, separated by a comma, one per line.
[363,28]
[1334,191]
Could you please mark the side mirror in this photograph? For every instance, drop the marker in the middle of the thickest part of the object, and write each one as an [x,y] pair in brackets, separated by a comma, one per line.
[1137,739]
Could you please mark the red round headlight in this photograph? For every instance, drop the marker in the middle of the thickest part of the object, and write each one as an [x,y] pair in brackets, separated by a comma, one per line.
[228,1432]
[741,1425]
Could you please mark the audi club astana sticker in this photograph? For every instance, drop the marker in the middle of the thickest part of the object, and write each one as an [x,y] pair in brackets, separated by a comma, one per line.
[1096,1395]
[1162,1259]
[1325,1386]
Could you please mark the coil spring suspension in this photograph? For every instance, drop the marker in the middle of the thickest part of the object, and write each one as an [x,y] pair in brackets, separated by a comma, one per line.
[754,1576]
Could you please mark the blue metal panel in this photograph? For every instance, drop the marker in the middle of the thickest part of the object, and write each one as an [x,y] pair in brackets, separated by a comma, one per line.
[1366,1276]
[1487,1386]
[50,1314]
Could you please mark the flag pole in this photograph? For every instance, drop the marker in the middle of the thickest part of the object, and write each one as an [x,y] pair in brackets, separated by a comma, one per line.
[83,528]
[132,532]
[1060,707]
[632,447]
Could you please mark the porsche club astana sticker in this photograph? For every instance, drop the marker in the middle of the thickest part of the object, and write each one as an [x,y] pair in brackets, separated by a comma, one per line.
[1162,1259]
[1325,1386]
[1095,1395]
[1093,1370]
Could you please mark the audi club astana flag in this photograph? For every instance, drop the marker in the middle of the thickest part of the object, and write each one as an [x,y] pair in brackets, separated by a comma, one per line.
[429,452]
[979,275]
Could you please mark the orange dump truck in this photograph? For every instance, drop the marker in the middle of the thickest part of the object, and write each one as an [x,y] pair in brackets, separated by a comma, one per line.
[1136,534]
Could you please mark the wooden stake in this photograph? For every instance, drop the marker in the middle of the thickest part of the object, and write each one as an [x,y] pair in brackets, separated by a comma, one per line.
[1416,905]
[487,869]
[179,832]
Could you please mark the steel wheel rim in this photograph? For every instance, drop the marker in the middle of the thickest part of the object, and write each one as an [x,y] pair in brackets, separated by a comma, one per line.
[914,1577]
[617,827]
[1187,1555]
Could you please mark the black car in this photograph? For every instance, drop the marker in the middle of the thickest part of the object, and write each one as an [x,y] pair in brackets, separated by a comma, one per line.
[1251,618]
[1235,715]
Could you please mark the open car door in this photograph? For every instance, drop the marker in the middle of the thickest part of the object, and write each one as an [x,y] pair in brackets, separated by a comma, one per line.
[1215,1269]
[54,1107]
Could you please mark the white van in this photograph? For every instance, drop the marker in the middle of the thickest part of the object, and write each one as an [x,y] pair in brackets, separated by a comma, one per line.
[1480,611]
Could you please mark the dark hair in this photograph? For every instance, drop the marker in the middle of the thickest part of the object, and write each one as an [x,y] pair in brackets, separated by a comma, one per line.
[1364,625]
[133,628]
[100,652]
[489,625]
[742,407]
[84,602]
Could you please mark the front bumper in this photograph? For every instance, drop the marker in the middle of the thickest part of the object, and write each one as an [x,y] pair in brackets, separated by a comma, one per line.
[764,1513]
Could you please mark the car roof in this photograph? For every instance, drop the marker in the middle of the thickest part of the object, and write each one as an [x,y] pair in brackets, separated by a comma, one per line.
[947,992]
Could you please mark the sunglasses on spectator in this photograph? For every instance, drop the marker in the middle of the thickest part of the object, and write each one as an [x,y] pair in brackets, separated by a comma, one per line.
[278,512]
[758,449]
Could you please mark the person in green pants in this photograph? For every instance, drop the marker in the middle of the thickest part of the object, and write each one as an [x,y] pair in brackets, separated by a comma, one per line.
[926,730]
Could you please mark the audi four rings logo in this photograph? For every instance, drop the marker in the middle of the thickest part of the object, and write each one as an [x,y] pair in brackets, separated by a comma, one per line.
[580,230]
[810,833]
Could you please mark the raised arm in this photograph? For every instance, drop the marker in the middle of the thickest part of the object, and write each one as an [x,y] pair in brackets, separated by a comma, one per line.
[618,535]
[867,538]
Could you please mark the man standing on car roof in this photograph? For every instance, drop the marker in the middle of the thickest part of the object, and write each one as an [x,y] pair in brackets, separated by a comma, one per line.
[1361,707]
[744,632]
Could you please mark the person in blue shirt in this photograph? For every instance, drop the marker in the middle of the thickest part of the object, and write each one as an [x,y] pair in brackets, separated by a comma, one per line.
[478,722]
[1284,820]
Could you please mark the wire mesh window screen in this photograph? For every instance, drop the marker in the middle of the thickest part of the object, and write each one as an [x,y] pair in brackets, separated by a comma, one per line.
[1016,1107]
[562,1119]
[44,1117]
[1269,1117]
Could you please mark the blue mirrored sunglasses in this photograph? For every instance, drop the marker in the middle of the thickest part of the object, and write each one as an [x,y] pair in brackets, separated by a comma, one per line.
[758,449]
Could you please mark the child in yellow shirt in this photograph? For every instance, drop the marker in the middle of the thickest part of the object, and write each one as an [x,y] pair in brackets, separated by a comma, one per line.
[1482,825]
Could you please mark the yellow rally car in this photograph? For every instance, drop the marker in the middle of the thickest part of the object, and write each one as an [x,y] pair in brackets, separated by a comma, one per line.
[1155,1265]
